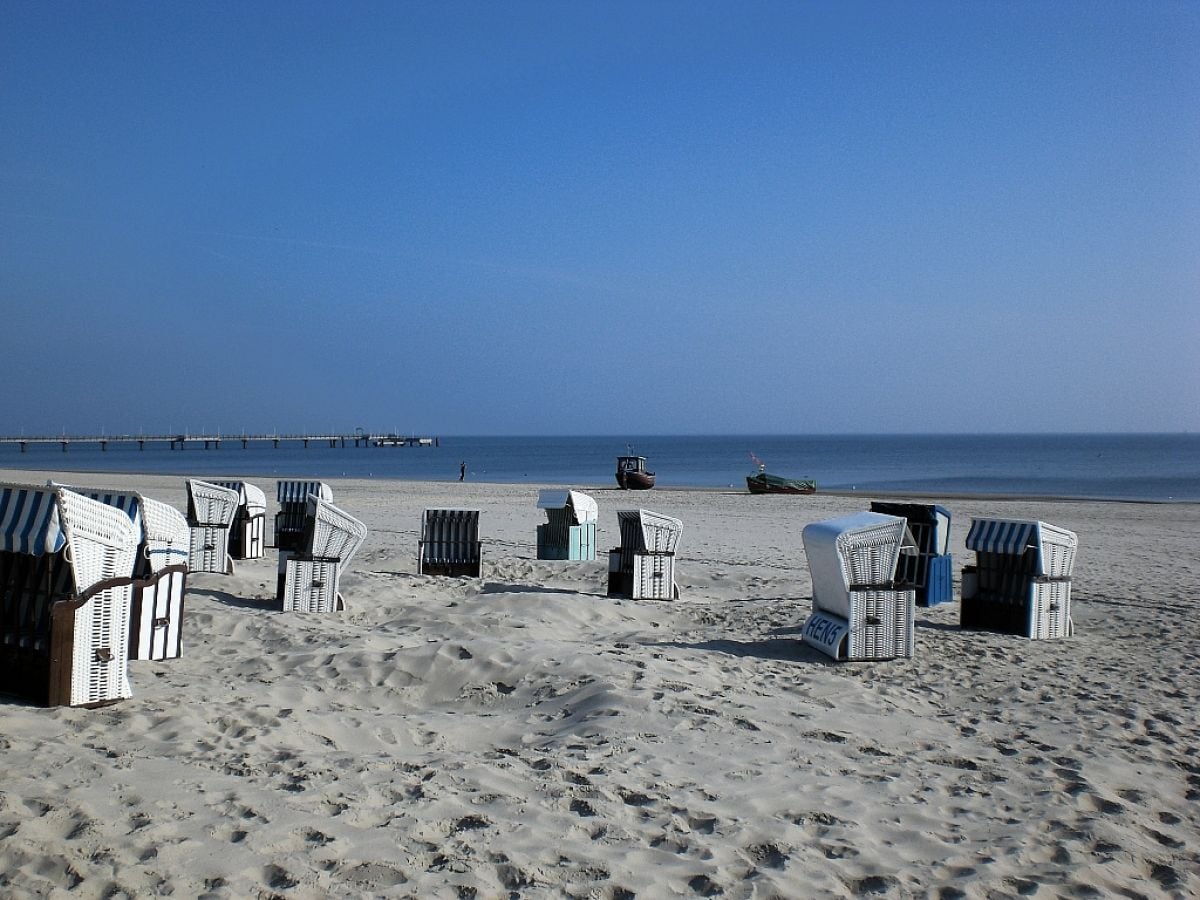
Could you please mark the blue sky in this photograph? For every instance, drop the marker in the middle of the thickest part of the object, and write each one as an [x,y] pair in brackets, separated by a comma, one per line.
[600,218]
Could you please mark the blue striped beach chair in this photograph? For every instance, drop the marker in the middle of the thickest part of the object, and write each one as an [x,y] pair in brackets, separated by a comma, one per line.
[292,497]
[247,536]
[861,610]
[211,509]
[160,572]
[1021,580]
[309,580]
[449,543]
[66,583]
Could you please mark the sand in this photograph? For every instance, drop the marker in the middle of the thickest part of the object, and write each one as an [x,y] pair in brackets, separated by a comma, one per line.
[523,735]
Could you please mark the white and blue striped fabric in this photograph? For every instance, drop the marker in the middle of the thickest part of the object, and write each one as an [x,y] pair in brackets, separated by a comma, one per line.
[1003,536]
[29,521]
[298,491]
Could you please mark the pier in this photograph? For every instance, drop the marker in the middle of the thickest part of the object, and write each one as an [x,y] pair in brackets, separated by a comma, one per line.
[214,441]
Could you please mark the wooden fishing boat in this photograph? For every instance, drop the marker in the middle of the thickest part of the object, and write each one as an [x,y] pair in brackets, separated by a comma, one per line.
[632,474]
[762,483]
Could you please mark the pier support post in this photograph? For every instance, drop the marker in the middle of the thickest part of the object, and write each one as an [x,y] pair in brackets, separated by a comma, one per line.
[64,446]
[22,446]
[104,446]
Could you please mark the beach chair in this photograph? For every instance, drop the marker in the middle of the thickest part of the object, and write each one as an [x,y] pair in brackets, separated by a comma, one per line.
[211,509]
[309,579]
[159,572]
[931,569]
[860,610]
[643,567]
[247,537]
[1021,580]
[449,543]
[292,497]
[570,529]
[66,580]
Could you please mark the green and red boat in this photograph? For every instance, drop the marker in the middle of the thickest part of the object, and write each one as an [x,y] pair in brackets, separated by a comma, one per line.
[762,483]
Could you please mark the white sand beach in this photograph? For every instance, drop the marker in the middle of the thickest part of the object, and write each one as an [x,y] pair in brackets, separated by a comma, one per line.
[523,735]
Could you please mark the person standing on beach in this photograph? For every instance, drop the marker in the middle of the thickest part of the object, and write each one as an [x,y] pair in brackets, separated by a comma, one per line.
[462,471]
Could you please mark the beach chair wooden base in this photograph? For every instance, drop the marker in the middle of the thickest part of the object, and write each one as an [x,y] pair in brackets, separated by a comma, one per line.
[156,614]
[571,542]
[642,575]
[1035,607]
[939,585]
[469,569]
[208,549]
[247,538]
[309,585]
[881,627]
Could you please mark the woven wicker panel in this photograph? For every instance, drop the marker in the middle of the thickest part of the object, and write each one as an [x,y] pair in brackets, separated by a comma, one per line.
[209,550]
[881,624]
[100,665]
[336,534]
[310,586]
[211,504]
[1049,610]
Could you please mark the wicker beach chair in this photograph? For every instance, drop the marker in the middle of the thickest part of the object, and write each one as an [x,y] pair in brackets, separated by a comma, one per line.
[570,529]
[643,567]
[309,579]
[211,509]
[1021,580]
[159,572]
[449,543]
[292,497]
[247,536]
[931,569]
[66,582]
[860,609]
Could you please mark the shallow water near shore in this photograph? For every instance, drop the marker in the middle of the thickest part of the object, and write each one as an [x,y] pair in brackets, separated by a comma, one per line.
[1158,467]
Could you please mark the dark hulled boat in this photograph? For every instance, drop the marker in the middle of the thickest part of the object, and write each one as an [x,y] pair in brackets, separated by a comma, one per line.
[632,474]
[762,483]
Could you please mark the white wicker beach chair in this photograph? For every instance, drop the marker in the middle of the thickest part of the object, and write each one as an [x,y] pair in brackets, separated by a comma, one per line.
[247,536]
[1021,580]
[570,529]
[860,610]
[292,497]
[309,580]
[160,572]
[643,567]
[211,509]
[449,543]
[66,580]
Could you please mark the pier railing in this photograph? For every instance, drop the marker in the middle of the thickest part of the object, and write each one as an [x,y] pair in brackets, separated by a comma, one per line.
[214,441]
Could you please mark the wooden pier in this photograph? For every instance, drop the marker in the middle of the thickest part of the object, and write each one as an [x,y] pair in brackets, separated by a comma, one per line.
[214,441]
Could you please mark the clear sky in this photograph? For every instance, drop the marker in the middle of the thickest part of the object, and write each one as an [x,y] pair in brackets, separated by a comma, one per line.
[599,217]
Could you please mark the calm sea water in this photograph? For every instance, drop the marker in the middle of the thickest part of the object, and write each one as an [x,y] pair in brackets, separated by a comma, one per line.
[1119,467]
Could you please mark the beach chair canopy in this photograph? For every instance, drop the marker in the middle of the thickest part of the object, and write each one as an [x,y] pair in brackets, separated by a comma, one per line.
[41,520]
[250,496]
[582,506]
[336,534]
[30,521]
[857,551]
[936,517]
[655,532]
[1054,547]
[211,504]
[298,491]
[161,528]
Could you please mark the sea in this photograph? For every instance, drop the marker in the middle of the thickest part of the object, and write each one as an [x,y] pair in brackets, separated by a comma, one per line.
[1131,467]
